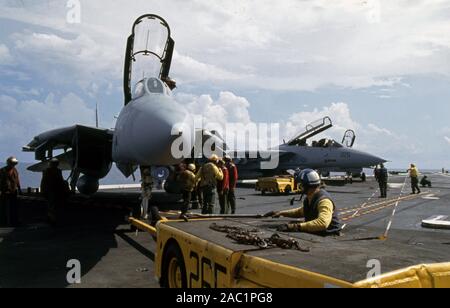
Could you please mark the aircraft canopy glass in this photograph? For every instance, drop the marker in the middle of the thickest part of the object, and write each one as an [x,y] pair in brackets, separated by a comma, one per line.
[155,85]
[326,143]
[139,89]
[151,37]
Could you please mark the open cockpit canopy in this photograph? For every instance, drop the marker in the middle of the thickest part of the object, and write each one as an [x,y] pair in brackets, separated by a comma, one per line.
[311,130]
[149,52]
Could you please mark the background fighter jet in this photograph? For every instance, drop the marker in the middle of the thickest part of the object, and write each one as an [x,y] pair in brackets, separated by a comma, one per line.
[326,155]
[143,135]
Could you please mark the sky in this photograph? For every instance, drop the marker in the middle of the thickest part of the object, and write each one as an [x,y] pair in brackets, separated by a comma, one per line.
[381,68]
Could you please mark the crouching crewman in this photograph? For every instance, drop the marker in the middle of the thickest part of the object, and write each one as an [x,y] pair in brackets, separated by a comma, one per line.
[318,209]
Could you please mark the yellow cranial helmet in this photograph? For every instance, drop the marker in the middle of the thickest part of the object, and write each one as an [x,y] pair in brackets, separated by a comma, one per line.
[214,158]
[191,167]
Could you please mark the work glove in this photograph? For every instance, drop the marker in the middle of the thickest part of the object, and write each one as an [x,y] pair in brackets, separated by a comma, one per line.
[288,228]
[272,214]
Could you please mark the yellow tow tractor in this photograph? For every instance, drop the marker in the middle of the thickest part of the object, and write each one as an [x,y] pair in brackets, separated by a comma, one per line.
[283,184]
[246,252]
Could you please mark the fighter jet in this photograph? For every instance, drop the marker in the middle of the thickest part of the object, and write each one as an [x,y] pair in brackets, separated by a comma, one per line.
[325,155]
[144,133]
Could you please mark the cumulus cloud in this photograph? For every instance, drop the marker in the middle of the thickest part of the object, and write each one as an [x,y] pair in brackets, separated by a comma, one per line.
[227,108]
[229,115]
[379,130]
[371,138]
[5,55]
[447,139]
[338,112]
[79,61]
[251,45]
[22,120]
[295,45]
[230,108]
[190,70]
[18,91]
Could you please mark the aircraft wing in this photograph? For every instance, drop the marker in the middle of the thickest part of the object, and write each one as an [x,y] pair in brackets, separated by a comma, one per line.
[87,149]
[65,163]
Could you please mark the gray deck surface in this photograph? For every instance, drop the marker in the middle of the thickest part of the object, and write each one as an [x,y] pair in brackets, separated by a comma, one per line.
[35,254]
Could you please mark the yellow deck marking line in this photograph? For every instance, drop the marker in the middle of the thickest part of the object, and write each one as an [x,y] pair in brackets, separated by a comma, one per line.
[376,204]
[361,208]
[371,205]
[384,206]
[347,210]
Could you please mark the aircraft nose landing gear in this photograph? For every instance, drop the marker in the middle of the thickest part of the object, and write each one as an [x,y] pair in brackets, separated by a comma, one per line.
[147,211]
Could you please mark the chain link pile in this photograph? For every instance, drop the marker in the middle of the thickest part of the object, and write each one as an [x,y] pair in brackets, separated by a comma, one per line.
[250,237]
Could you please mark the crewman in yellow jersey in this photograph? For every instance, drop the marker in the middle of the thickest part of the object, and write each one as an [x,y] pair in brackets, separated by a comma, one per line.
[207,177]
[318,209]
[414,175]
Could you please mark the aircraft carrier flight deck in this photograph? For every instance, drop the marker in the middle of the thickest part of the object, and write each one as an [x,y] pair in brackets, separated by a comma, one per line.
[95,232]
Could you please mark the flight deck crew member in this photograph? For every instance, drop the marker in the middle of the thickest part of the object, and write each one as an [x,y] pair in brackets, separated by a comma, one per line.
[318,209]
[234,176]
[207,177]
[187,181]
[9,189]
[376,173]
[382,178]
[196,194]
[414,175]
[425,182]
[54,189]
[223,187]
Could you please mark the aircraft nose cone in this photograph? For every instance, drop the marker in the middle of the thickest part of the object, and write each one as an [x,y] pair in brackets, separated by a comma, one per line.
[363,159]
[373,160]
[163,127]
[147,134]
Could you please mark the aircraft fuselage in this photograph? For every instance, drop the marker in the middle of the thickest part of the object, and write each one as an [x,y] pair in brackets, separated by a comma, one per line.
[144,130]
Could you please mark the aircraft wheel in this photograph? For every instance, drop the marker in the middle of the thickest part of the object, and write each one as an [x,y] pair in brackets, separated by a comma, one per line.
[174,269]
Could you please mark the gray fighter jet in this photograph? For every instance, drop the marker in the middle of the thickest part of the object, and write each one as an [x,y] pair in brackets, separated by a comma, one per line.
[325,155]
[143,136]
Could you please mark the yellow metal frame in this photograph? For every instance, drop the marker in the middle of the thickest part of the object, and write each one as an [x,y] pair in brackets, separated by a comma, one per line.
[143,226]
[420,276]
[211,265]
